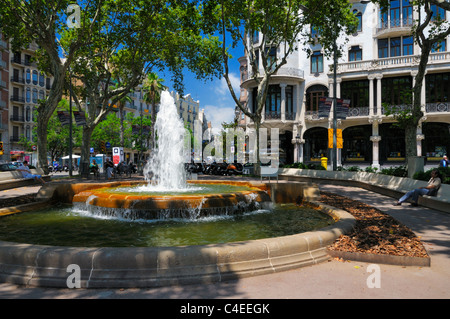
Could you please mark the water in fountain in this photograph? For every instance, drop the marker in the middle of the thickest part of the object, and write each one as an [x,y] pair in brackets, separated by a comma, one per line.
[165,169]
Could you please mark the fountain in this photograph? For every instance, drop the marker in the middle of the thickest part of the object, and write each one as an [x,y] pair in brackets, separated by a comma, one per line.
[166,195]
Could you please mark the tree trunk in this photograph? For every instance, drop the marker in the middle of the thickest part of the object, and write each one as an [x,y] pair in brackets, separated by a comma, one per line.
[85,153]
[42,144]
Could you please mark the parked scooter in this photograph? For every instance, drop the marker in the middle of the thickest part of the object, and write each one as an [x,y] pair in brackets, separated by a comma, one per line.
[234,169]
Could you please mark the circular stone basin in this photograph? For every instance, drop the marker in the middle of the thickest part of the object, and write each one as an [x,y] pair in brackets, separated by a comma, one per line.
[122,267]
[137,201]
[68,226]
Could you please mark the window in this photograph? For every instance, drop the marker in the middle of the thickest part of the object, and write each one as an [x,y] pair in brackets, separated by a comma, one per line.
[35,77]
[396,91]
[271,58]
[358,16]
[439,47]
[41,95]
[41,79]
[357,92]
[438,87]
[408,45]
[28,76]
[407,10]
[35,95]
[28,95]
[399,13]
[273,102]
[255,36]
[396,49]
[383,46]
[438,13]
[313,94]
[355,54]
[395,13]
[317,62]
[27,114]
[392,47]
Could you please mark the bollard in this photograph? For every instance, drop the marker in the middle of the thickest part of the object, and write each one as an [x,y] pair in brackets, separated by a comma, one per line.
[324,162]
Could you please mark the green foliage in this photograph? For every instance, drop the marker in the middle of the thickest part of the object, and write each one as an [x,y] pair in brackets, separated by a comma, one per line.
[425,176]
[304,166]
[399,171]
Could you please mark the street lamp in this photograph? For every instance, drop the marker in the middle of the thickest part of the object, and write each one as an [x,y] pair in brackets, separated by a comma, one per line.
[70,124]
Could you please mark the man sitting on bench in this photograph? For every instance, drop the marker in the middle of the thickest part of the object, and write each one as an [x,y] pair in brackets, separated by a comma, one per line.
[26,173]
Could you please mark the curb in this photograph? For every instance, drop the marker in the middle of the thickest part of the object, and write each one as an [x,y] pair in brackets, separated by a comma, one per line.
[382,259]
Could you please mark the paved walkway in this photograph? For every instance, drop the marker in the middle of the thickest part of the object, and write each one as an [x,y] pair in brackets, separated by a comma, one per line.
[328,280]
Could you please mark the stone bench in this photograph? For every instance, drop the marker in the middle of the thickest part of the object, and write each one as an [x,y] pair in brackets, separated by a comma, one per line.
[14,179]
[384,184]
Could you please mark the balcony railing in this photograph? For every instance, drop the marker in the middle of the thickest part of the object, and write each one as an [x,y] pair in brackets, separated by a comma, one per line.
[14,138]
[358,111]
[17,79]
[283,71]
[395,24]
[394,62]
[437,107]
[17,118]
[16,98]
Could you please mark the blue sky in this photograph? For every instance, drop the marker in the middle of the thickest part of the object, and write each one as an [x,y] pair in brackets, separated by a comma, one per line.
[214,96]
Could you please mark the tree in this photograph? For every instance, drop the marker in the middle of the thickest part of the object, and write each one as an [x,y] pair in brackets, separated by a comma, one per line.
[282,25]
[152,88]
[429,31]
[45,23]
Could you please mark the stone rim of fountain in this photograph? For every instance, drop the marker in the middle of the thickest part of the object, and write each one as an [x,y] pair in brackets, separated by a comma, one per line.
[139,267]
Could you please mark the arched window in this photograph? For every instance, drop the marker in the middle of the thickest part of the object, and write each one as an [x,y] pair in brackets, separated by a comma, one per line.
[35,95]
[28,76]
[35,77]
[27,114]
[27,133]
[41,95]
[358,15]
[41,79]
[313,94]
[28,95]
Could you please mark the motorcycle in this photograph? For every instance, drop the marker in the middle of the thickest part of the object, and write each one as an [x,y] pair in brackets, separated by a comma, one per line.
[234,169]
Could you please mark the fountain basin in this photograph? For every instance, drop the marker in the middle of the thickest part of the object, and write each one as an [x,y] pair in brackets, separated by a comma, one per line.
[242,197]
[106,267]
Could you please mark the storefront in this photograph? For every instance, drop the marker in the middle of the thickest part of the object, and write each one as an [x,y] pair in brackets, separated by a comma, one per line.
[17,156]
[437,140]
[316,144]
[392,145]
[357,144]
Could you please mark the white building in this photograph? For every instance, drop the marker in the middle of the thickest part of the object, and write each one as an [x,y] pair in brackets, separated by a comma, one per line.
[379,61]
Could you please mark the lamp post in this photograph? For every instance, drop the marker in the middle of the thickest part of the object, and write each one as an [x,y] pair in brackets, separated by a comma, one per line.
[70,124]
[334,153]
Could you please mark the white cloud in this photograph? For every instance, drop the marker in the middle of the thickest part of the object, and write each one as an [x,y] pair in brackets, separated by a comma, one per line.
[218,114]
[223,89]
[219,106]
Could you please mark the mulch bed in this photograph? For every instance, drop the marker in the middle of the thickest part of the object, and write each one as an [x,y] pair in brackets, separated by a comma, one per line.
[375,232]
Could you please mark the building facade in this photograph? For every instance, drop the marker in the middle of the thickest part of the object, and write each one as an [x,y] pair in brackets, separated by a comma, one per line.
[379,63]
[25,85]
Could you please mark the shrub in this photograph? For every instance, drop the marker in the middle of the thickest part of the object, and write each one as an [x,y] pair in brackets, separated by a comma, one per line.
[399,171]
[425,176]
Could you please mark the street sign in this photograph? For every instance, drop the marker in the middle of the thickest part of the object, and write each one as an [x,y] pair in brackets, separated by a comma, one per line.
[108,145]
[339,139]
[91,150]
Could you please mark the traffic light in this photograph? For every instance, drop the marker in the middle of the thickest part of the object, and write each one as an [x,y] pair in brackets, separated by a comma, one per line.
[1,148]
[103,147]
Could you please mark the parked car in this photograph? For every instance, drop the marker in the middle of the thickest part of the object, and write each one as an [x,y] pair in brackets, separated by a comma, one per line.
[7,167]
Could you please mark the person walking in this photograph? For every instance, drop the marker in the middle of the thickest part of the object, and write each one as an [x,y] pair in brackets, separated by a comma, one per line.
[444,162]
[431,189]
